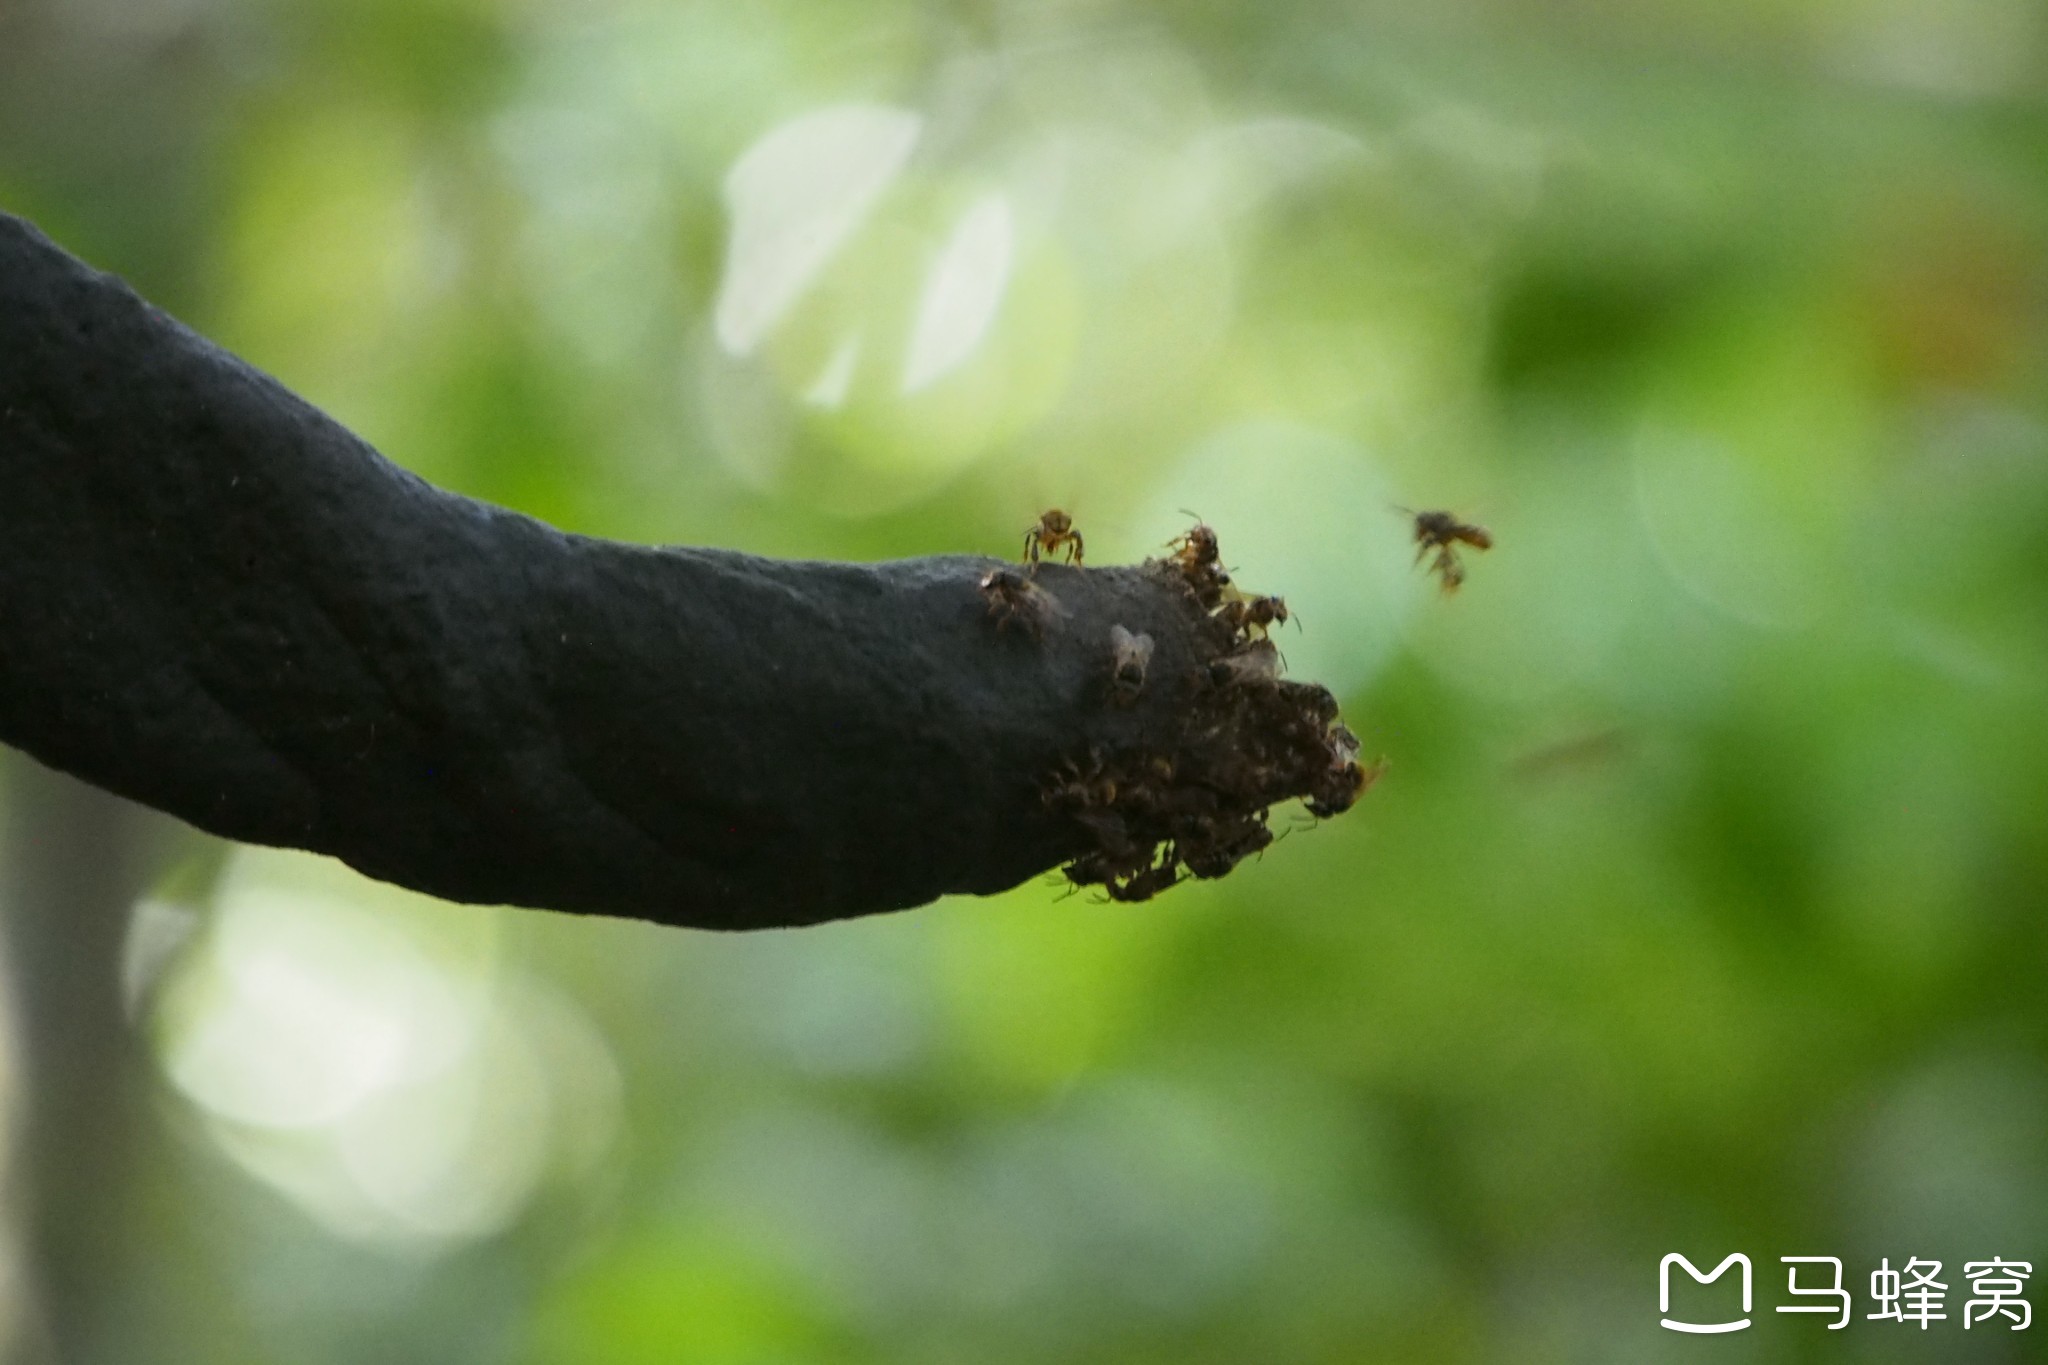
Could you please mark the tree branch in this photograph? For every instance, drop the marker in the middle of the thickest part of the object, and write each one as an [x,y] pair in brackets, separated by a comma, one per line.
[219,602]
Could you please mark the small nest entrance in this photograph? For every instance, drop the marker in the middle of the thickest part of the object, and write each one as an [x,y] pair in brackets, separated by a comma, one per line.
[1249,740]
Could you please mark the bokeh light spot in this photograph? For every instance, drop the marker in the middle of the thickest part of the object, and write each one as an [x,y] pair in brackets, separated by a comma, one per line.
[962,293]
[796,197]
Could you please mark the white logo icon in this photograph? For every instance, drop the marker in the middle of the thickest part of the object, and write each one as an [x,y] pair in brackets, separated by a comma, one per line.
[1664,1292]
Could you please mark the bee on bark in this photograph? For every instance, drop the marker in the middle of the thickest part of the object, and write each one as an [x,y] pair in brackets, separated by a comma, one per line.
[1247,614]
[1342,785]
[1014,600]
[1129,656]
[1258,662]
[1322,704]
[1091,868]
[1443,533]
[1113,837]
[1225,844]
[1195,550]
[1197,555]
[1053,530]
[1111,868]
[1145,883]
[1343,744]
[1079,787]
[1076,795]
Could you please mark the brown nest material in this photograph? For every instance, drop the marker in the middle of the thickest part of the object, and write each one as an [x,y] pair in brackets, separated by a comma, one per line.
[1247,740]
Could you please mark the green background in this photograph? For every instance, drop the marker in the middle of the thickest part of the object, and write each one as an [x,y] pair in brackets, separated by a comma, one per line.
[1701,908]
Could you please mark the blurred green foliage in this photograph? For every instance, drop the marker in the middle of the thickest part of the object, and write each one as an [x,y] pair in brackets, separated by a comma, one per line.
[1703,907]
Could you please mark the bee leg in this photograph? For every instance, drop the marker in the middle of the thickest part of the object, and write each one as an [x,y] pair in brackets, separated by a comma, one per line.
[1076,556]
[1450,570]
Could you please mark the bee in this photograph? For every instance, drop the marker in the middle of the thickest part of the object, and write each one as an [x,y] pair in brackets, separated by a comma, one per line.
[1198,556]
[1109,867]
[1129,656]
[1342,743]
[1443,533]
[1224,844]
[1145,883]
[1345,781]
[1014,600]
[1113,836]
[1247,614]
[1257,662]
[1081,786]
[1322,704]
[1078,794]
[1053,530]
[1091,868]
[1583,753]
[1195,550]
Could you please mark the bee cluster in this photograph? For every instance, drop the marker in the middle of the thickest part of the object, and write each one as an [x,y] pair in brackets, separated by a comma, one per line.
[1247,740]
[1198,559]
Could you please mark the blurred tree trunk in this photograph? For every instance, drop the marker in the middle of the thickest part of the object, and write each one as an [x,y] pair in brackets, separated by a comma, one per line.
[75,858]
[105,117]
[109,121]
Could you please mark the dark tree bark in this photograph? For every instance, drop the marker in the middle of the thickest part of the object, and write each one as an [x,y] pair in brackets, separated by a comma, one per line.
[217,601]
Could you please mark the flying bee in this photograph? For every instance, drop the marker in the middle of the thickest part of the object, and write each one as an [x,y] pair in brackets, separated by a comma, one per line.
[1129,656]
[1247,614]
[1053,530]
[1014,600]
[1443,533]
[1582,753]
[1434,529]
